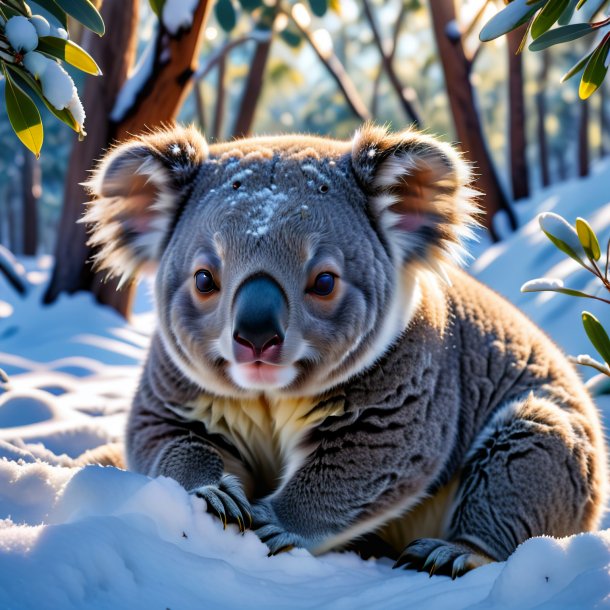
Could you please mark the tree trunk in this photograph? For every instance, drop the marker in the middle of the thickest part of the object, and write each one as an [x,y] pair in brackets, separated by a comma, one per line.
[252,90]
[583,139]
[516,129]
[543,148]
[30,189]
[219,108]
[465,114]
[158,102]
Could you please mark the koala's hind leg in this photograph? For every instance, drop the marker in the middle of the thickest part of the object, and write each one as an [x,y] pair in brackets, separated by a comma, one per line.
[532,471]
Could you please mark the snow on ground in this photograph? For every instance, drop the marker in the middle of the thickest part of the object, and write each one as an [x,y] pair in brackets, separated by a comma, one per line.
[94,537]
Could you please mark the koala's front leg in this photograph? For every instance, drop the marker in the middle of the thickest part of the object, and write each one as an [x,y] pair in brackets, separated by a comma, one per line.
[160,444]
[352,482]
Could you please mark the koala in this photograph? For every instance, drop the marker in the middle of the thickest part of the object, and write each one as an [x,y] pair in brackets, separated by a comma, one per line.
[323,371]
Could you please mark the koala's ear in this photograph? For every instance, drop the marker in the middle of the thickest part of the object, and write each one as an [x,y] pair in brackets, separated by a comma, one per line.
[138,188]
[418,192]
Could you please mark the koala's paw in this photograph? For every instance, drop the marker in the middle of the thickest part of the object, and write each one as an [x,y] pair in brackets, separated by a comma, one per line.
[268,529]
[441,557]
[227,501]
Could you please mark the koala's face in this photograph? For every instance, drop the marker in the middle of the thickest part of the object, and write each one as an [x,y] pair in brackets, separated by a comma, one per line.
[283,262]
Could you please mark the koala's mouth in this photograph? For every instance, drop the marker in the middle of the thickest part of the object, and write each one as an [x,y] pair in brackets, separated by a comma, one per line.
[260,375]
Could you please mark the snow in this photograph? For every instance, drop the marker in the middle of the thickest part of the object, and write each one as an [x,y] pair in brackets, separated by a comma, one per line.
[36,63]
[21,34]
[178,14]
[543,283]
[76,108]
[132,86]
[555,225]
[57,85]
[42,26]
[96,537]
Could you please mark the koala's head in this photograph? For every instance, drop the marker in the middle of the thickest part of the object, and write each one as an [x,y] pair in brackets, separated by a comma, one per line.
[285,264]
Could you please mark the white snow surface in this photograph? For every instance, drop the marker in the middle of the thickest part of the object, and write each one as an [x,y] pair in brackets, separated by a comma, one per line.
[21,34]
[100,537]
[57,85]
[178,14]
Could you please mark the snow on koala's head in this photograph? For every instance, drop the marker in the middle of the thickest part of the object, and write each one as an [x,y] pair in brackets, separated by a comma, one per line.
[285,263]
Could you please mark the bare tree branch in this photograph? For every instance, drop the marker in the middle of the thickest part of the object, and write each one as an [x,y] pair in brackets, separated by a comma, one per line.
[335,68]
[405,94]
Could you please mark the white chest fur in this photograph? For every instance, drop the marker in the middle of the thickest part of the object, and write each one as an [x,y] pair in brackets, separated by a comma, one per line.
[268,431]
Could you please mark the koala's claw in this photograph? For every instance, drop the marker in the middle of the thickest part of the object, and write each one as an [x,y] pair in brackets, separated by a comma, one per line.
[277,539]
[441,557]
[228,502]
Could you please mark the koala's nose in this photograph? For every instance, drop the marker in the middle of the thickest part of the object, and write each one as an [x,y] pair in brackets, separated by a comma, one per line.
[260,319]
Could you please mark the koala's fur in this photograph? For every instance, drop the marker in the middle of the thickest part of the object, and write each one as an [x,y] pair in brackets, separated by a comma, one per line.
[412,403]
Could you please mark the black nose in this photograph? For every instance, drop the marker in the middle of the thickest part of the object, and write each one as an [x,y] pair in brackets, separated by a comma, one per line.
[260,314]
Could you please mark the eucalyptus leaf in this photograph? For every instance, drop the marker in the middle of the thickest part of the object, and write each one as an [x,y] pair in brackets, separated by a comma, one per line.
[595,70]
[509,18]
[70,52]
[23,115]
[566,16]
[597,335]
[563,34]
[576,68]
[84,12]
[547,17]
[157,7]
[588,239]
[251,5]
[225,14]
[54,10]
[25,80]
[292,37]
[318,7]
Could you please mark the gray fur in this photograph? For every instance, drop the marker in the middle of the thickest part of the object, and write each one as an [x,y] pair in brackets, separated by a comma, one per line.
[411,382]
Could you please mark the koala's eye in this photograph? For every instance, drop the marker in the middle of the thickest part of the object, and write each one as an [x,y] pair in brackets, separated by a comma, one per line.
[205,282]
[324,284]
[323,188]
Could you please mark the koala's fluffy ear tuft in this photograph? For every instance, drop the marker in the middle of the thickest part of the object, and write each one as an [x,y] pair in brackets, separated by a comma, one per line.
[138,188]
[419,193]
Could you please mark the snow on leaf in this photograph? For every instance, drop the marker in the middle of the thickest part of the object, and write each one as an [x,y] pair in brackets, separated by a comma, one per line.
[21,34]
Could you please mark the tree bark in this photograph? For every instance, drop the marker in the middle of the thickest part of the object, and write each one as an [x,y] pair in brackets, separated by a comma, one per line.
[543,148]
[30,189]
[252,90]
[115,54]
[516,129]
[468,127]
[219,108]
[158,102]
[583,139]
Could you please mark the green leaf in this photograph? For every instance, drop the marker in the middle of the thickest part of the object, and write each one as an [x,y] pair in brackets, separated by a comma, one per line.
[157,7]
[588,239]
[24,79]
[548,16]
[251,5]
[225,14]
[291,36]
[318,7]
[53,9]
[9,11]
[515,14]
[69,52]
[597,335]
[23,115]
[576,68]
[565,248]
[558,35]
[595,71]
[567,13]
[85,12]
